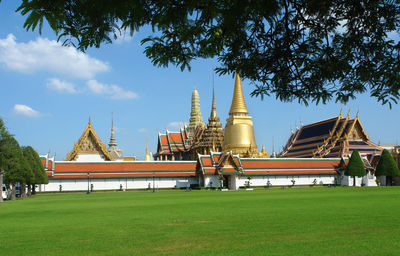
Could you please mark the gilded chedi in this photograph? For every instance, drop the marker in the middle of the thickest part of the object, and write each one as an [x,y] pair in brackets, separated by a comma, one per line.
[239,133]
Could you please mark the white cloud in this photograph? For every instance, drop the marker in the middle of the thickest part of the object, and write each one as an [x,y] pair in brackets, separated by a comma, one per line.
[48,55]
[142,130]
[175,125]
[113,91]
[55,84]
[24,110]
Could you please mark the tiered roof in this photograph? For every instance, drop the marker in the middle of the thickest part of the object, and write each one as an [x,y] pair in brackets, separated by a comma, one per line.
[212,164]
[226,164]
[172,142]
[334,137]
[220,164]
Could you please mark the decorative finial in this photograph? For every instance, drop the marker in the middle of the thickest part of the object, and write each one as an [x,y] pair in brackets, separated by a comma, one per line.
[113,142]
[358,111]
[89,118]
[263,148]
[213,114]
[147,156]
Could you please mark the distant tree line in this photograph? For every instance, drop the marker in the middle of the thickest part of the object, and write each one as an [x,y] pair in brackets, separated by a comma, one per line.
[19,165]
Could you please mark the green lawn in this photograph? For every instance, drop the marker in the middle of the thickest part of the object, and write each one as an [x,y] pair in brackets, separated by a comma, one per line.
[293,221]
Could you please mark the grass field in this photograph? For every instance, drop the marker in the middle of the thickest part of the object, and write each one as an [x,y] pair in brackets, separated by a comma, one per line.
[296,221]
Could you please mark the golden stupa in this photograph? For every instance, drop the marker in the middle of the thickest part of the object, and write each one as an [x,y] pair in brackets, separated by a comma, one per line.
[239,132]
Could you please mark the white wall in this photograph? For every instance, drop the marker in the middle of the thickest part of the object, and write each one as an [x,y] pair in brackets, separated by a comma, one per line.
[114,184]
[89,158]
[367,180]
[212,178]
[286,180]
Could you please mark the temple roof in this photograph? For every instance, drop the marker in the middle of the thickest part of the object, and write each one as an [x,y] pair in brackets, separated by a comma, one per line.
[89,143]
[334,137]
[171,142]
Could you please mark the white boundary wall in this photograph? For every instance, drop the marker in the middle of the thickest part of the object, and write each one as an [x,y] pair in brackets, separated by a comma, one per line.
[286,180]
[181,182]
[115,184]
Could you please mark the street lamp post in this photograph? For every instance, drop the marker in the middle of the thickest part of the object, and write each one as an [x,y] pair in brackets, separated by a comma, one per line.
[88,181]
[154,181]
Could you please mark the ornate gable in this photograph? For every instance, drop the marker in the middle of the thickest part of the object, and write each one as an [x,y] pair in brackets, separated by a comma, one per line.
[89,143]
[356,131]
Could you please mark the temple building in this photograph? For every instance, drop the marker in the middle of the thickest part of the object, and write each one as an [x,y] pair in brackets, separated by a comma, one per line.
[208,156]
[334,137]
[172,146]
[239,132]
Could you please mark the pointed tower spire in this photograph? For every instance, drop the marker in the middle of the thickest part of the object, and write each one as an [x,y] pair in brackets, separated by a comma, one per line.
[113,141]
[195,120]
[238,103]
[239,132]
[147,156]
[112,145]
[89,120]
[195,113]
[213,114]
[212,136]
[263,148]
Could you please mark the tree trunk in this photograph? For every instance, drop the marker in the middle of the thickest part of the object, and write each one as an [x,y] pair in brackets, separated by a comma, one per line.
[29,189]
[33,189]
[1,185]
[13,186]
[354,181]
[23,190]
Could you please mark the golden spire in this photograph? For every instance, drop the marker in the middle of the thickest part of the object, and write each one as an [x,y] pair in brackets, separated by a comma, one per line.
[213,106]
[89,119]
[147,157]
[263,148]
[239,132]
[238,103]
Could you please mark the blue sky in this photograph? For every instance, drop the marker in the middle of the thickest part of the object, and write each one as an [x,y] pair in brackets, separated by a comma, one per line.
[48,92]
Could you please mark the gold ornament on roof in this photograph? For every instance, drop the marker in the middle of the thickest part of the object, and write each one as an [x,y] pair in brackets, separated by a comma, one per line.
[89,143]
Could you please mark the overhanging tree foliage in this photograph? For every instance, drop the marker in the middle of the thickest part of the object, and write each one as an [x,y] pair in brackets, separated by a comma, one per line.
[387,165]
[295,49]
[355,167]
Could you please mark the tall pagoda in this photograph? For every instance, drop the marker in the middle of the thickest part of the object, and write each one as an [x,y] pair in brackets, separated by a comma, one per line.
[211,138]
[239,132]
[195,121]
